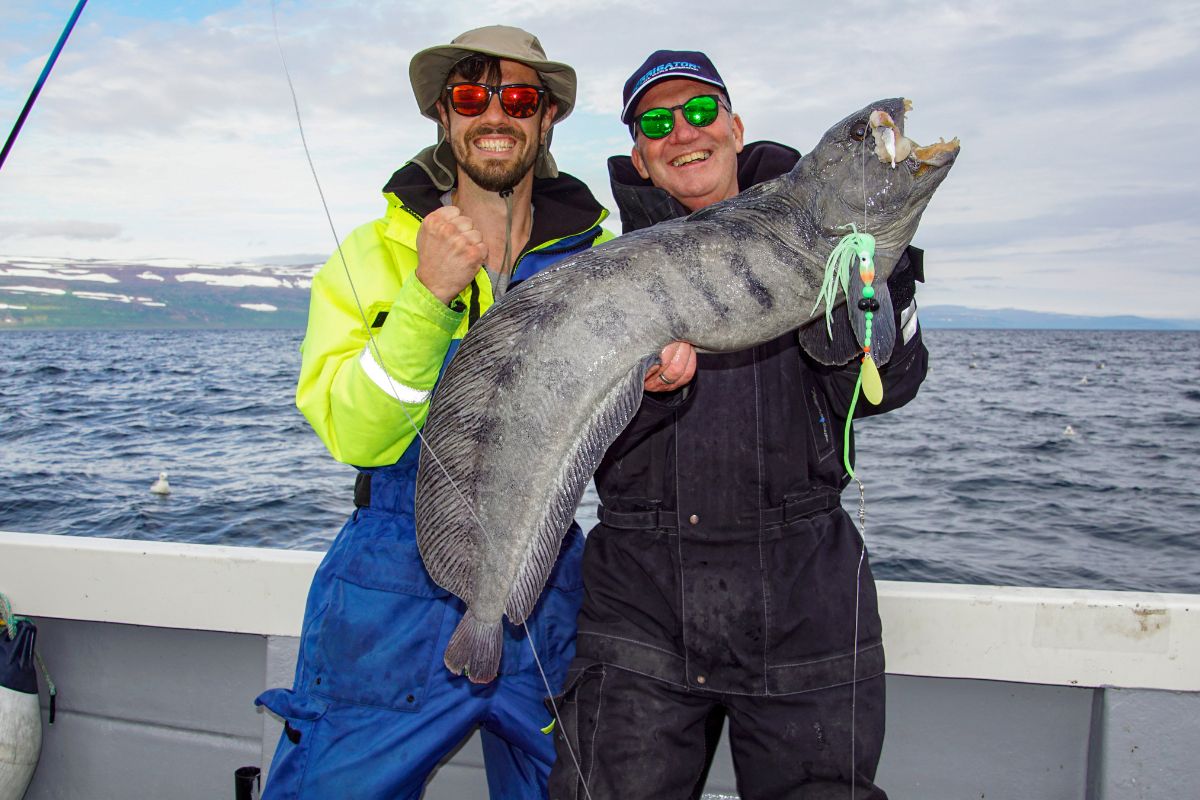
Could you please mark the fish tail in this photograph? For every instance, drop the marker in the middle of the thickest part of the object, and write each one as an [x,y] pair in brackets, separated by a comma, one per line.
[475,649]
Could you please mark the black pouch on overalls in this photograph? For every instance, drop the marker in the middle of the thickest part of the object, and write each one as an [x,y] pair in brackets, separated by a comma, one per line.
[18,670]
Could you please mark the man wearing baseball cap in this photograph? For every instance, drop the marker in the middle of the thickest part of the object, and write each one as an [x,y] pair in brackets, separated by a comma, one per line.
[722,581]
[373,709]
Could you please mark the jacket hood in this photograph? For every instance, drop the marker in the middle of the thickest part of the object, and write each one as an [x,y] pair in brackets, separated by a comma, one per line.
[643,204]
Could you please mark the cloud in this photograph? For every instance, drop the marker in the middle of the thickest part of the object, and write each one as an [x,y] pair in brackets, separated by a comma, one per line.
[63,229]
[175,136]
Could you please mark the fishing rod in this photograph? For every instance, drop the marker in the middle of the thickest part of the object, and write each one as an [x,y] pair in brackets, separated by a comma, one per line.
[41,81]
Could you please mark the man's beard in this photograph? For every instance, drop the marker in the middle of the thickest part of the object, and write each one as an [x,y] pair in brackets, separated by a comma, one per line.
[489,175]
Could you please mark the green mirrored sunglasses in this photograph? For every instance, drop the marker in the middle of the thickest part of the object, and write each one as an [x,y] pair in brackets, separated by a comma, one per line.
[701,111]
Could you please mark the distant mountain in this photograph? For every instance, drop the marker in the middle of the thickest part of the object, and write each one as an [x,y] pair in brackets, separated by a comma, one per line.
[962,317]
[161,293]
[273,293]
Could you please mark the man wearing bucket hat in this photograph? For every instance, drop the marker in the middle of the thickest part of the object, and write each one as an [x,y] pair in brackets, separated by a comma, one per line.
[722,581]
[373,709]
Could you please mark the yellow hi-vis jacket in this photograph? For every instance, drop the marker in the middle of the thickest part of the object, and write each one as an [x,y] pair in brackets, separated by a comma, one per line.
[367,407]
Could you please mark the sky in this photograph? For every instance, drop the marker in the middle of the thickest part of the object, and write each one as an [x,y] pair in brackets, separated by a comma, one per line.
[167,130]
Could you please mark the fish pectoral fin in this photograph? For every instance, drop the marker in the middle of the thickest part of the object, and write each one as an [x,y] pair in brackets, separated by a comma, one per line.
[611,413]
[843,341]
[834,350]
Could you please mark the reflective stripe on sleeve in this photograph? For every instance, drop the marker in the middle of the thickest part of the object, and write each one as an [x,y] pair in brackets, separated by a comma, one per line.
[908,321]
[387,383]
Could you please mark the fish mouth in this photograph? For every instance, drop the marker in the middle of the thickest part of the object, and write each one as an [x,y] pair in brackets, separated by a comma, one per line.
[893,147]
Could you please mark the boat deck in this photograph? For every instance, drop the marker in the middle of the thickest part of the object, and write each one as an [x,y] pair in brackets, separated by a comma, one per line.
[158,650]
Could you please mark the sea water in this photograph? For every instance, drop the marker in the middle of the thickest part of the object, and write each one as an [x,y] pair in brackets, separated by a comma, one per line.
[1034,458]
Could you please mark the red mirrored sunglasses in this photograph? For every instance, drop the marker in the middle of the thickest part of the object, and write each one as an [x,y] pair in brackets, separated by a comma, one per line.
[519,100]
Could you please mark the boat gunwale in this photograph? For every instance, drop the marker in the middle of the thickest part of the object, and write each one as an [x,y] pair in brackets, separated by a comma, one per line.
[1067,637]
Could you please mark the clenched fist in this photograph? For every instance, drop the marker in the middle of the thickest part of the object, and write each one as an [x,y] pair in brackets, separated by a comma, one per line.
[449,252]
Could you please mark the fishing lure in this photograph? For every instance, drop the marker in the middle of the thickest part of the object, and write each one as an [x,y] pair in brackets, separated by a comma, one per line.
[858,249]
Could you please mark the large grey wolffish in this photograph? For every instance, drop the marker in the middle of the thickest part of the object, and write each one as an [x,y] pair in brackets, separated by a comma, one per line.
[546,380]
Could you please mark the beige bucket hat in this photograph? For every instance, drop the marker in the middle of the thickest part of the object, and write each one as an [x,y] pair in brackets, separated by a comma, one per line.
[430,68]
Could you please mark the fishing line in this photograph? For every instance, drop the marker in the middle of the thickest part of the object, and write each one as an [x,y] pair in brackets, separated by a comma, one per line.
[858,249]
[372,343]
[379,359]
[862,530]
[557,719]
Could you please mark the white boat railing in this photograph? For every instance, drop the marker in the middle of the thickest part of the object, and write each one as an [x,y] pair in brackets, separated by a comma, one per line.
[1067,637]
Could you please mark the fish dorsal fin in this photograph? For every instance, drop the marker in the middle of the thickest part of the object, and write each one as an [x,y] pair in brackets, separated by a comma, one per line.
[611,416]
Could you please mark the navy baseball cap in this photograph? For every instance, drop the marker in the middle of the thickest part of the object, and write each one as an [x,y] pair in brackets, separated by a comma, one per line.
[663,65]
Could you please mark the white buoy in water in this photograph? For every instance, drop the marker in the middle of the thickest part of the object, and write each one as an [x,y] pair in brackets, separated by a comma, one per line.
[161,486]
[20,715]
[1068,431]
